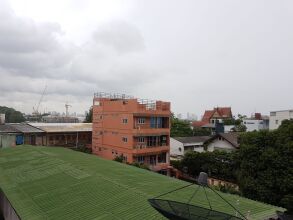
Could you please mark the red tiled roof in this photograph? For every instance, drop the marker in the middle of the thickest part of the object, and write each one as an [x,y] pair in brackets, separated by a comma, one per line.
[199,123]
[219,112]
[224,111]
[207,115]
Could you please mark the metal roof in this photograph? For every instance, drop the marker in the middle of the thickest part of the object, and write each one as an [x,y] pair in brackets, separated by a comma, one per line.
[63,127]
[25,128]
[194,139]
[6,128]
[58,183]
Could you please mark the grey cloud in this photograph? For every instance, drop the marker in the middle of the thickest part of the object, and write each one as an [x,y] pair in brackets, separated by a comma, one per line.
[121,36]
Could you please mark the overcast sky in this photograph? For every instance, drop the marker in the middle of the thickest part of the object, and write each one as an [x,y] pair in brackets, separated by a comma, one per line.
[195,54]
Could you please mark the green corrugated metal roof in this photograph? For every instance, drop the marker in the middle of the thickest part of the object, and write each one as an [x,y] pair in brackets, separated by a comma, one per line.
[57,183]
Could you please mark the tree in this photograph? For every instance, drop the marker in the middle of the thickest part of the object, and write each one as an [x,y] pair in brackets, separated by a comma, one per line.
[180,128]
[239,128]
[11,115]
[218,164]
[201,132]
[89,116]
[265,164]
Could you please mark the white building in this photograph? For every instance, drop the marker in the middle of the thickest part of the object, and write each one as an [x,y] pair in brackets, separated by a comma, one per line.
[255,124]
[223,142]
[180,145]
[276,118]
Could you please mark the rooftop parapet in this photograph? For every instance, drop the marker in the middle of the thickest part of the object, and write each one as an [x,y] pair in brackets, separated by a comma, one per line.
[143,104]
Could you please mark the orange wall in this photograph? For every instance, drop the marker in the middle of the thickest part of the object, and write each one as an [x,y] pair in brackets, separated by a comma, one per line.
[109,129]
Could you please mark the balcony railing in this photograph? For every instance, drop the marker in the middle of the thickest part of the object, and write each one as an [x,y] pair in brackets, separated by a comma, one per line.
[143,146]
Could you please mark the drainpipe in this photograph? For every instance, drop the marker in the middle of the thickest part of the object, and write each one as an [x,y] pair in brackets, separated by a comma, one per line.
[76,139]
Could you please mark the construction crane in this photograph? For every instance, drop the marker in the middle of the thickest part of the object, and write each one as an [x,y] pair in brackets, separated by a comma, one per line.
[67,107]
[36,110]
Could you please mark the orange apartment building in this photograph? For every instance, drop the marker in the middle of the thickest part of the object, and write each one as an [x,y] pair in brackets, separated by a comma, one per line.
[138,130]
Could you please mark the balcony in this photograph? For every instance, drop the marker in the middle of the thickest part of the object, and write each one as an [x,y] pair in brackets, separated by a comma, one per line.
[143,149]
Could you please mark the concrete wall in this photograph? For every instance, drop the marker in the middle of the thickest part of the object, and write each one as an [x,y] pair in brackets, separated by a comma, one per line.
[220,145]
[175,147]
[7,140]
[2,119]
[277,117]
[6,208]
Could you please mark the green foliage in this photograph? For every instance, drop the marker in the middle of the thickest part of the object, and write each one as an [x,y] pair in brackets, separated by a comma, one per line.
[201,132]
[229,121]
[239,128]
[89,116]
[234,121]
[119,158]
[11,115]
[217,164]
[266,165]
[180,128]
[262,167]
[84,149]
[142,166]
[176,164]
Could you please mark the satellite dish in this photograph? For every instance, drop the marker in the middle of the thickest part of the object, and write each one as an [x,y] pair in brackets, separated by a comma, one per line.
[175,210]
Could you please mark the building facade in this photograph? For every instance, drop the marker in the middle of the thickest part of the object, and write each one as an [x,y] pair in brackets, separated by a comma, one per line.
[223,142]
[276,118]
[256,122]
[137,130]
[181,145]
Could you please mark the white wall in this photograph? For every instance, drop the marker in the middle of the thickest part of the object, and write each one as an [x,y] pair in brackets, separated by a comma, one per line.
[277,117]
[175,147]
[227,128]
[220,145]
[253,124]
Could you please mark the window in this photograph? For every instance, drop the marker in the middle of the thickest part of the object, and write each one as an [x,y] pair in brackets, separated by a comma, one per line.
[141,139]
[124,139]
[97,103]
[141,120]
[277,122]
[140,159]
[124,120]
[180,149]
[162,158]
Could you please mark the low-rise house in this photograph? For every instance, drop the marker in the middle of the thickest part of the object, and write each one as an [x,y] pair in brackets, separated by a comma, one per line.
[8,136]
[66,134]
[180,145]
[29,135]
[213,119]
[217,115]
[276,118]
[46,134]
[223,141]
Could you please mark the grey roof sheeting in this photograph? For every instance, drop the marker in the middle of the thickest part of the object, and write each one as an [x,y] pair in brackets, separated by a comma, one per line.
[63,127]
[7,128]
[25,128]
[232,138]
[195,139]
